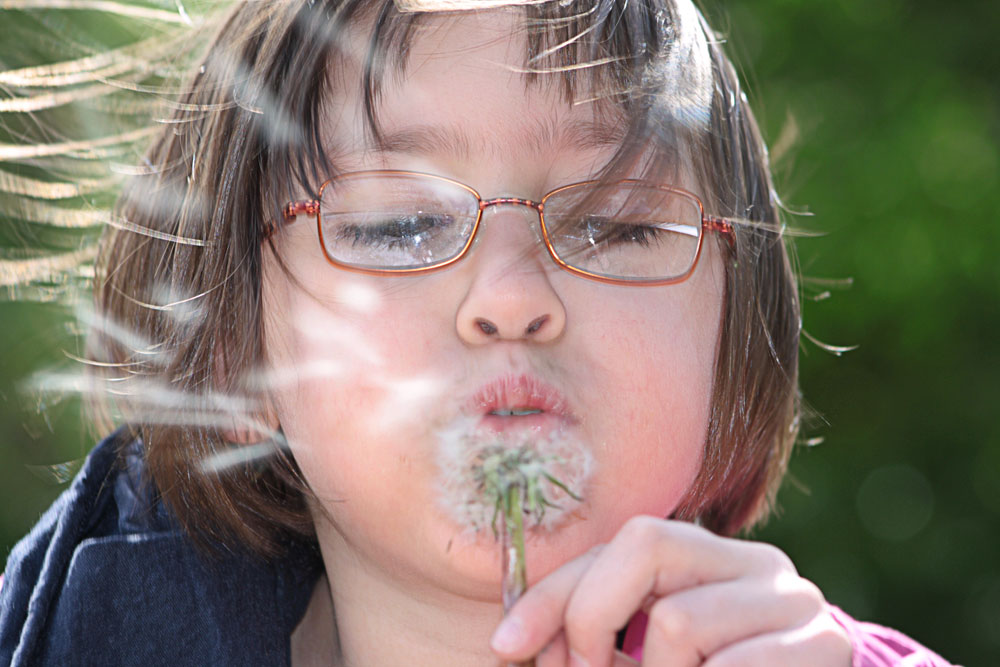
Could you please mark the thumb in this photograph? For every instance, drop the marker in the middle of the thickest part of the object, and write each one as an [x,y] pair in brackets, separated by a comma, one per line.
[556,654]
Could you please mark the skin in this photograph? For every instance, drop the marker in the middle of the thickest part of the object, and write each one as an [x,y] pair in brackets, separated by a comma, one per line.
[366,369]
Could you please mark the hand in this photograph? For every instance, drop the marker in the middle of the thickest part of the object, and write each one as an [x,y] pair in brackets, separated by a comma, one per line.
[711,601]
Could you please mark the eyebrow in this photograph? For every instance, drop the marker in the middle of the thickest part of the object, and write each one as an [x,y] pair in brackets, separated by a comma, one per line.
[455,139]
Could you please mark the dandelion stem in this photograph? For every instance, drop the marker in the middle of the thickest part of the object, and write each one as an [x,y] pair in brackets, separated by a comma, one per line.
[513,482]
[515,575]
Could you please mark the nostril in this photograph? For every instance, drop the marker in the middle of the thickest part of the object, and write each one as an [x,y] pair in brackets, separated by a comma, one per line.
[536,324]
[486,326]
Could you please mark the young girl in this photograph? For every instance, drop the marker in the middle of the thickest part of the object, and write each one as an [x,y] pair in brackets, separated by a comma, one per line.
[377,242]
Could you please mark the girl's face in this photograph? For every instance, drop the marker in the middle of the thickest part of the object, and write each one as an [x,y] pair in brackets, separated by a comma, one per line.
[366,370]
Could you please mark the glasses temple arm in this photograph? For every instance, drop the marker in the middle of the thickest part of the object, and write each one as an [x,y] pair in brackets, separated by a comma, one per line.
[289,212]
[722,226]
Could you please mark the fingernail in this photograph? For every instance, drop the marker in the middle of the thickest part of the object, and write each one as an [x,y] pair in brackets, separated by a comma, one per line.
[576,660]
[508,636]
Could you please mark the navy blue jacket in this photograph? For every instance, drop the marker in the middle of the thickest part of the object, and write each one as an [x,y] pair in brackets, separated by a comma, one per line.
[108,578]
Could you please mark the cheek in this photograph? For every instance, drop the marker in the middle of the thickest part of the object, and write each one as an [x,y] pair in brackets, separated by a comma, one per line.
[332,374]
[346,428]
[348,374]
[345,335]
[657,356]
[659,360]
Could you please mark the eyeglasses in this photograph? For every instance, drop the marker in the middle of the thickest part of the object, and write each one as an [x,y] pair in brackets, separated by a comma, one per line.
[627,232]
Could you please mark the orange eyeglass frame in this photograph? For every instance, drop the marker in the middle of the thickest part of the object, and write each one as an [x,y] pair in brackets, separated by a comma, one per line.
[311,207]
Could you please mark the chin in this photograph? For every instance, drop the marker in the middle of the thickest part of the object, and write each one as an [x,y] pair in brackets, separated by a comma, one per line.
[473,558]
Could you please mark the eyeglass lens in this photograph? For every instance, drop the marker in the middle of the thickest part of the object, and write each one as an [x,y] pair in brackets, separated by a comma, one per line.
[398,222]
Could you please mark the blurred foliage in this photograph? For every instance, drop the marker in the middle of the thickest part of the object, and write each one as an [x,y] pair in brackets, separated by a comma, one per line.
[884,120]
[896,515]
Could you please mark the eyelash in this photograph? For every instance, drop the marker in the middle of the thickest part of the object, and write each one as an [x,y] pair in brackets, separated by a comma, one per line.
[641,235]
[636,234]
[381,235]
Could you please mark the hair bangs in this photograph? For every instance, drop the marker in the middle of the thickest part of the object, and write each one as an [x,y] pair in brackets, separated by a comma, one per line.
[645,66]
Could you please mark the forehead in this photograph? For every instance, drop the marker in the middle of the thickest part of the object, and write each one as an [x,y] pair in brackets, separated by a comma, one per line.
[463,88]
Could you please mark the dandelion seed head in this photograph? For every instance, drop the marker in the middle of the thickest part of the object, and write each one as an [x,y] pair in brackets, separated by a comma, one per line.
[471,462]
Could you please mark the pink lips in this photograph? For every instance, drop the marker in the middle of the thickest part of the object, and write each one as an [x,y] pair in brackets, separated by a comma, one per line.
[520,393]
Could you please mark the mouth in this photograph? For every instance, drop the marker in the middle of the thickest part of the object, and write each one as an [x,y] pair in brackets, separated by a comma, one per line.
[514,417]
[515,402]
[515,412]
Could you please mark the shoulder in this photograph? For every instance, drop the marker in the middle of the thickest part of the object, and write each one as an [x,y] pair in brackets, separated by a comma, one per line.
[107,577]
[878,646]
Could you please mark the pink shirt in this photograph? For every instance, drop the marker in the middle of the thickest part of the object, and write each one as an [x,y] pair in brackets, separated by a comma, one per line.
[874,645]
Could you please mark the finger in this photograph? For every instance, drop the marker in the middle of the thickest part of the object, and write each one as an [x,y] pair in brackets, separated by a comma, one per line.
[622,660]
[651,558]
[820,643]
[555,654]
[689,625]
[535,620]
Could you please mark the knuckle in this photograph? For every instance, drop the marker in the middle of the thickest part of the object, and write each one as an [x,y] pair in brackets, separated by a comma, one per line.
[811,596]
[670,622]
[801,594]
[773,558]
[643,530]
[821,643]
[830,642]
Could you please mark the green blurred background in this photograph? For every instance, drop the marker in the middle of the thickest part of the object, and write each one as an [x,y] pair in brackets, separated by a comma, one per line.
[893,112]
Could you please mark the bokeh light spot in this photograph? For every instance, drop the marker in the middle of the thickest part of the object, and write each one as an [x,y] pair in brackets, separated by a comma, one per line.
[895,502]
[983,607]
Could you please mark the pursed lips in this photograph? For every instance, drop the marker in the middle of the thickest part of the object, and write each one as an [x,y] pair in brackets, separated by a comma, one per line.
[519,401]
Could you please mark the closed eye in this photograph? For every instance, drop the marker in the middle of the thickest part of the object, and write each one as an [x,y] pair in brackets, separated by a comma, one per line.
[599,231]
[404,232]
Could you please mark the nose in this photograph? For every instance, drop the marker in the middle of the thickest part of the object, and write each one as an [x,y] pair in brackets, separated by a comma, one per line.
[510,296]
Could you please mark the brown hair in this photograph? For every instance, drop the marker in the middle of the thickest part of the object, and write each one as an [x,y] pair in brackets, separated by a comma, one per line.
[181,269]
